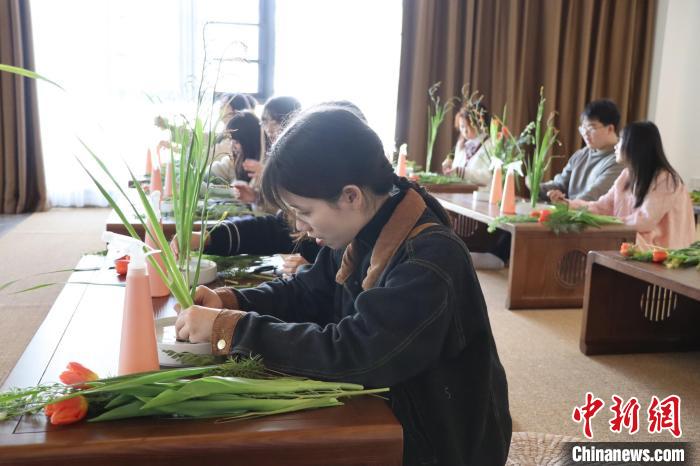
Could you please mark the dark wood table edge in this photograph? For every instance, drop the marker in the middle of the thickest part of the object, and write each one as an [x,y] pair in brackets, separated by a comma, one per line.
[641,271]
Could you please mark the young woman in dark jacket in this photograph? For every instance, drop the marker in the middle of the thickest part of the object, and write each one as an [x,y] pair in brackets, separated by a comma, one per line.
[392,299]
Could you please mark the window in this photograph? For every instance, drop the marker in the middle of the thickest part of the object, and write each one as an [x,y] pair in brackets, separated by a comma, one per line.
[238,39]
[123,62]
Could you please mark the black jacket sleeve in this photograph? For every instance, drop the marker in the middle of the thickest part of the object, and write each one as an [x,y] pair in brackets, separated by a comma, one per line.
[260,236]
[393,333]
[264,235]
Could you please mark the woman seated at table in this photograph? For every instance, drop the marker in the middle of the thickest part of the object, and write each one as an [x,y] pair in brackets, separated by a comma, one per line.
[266,234]
[243,130]
[391,301]
[277,111]
[649,194]
[471,160]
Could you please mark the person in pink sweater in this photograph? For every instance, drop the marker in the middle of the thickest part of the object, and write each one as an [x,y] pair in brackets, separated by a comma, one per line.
[649,194]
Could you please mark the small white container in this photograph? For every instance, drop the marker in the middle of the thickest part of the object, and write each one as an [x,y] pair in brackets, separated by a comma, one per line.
[207,271]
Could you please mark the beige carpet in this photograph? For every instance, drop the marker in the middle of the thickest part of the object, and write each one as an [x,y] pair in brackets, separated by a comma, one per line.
[41,242]
[548,376]
[547,373]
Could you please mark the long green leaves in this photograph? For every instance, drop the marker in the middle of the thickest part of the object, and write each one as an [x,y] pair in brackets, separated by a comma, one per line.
[436,114]
[194,165]
[559,220]
[223,391]
[503,145]
[540,157]
[27,74]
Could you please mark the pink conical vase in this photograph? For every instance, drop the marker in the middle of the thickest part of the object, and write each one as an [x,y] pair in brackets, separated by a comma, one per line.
[156,182]
[139,350]
[149,162]
[157,285]
[168,188]
[496,186]
[508,202]
[401,164]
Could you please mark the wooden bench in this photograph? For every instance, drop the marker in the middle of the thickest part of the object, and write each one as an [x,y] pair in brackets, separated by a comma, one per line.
[638,307]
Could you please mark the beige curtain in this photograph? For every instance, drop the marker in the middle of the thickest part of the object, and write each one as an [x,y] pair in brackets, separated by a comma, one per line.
[22,184]
[579,50]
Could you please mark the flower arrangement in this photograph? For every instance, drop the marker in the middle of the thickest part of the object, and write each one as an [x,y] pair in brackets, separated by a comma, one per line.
[436,114]
[671,258]
[193,164]
[560,219]
[235,389]
[506,148]
[475,111]
[540,157]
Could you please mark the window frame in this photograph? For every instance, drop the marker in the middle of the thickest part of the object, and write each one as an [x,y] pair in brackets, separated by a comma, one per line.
[266,51]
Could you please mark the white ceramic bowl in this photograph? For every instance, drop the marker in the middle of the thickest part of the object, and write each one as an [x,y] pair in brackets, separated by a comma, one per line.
[207,271]
[166,338]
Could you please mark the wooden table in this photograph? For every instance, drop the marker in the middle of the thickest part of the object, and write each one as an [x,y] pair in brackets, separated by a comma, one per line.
[638,307]
[464,188]
[546,270]
[84,325]
[114,224]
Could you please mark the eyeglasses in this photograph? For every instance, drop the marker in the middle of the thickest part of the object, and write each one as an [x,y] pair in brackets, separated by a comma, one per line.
[588,129]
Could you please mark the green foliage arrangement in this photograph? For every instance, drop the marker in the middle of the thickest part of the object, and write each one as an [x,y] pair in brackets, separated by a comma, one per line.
[541,159]
[434,178]
[505,147]
[235,389]
[560,220]
[436,114]
[671,258]
[192,167]
[695,197]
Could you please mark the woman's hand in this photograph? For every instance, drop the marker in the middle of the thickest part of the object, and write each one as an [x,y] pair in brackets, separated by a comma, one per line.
[195,323]
[555,195]
[447,167]
[252,167]
[244,192]
[205,296]
[291,263]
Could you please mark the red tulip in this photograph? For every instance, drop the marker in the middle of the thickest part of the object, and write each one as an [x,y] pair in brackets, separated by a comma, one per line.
[627,249]
[659,256]
[77,374]
[535,214]
[544,215]
[67,411]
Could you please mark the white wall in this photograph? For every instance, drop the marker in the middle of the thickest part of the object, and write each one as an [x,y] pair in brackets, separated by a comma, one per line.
[675,85]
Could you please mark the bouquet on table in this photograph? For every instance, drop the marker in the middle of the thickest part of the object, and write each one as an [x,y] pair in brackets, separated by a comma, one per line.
[671,258]
[559,219]
[541,158]
[506,148]
[235,389]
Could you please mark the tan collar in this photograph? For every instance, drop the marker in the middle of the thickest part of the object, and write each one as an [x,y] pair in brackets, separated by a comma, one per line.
[395,232]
